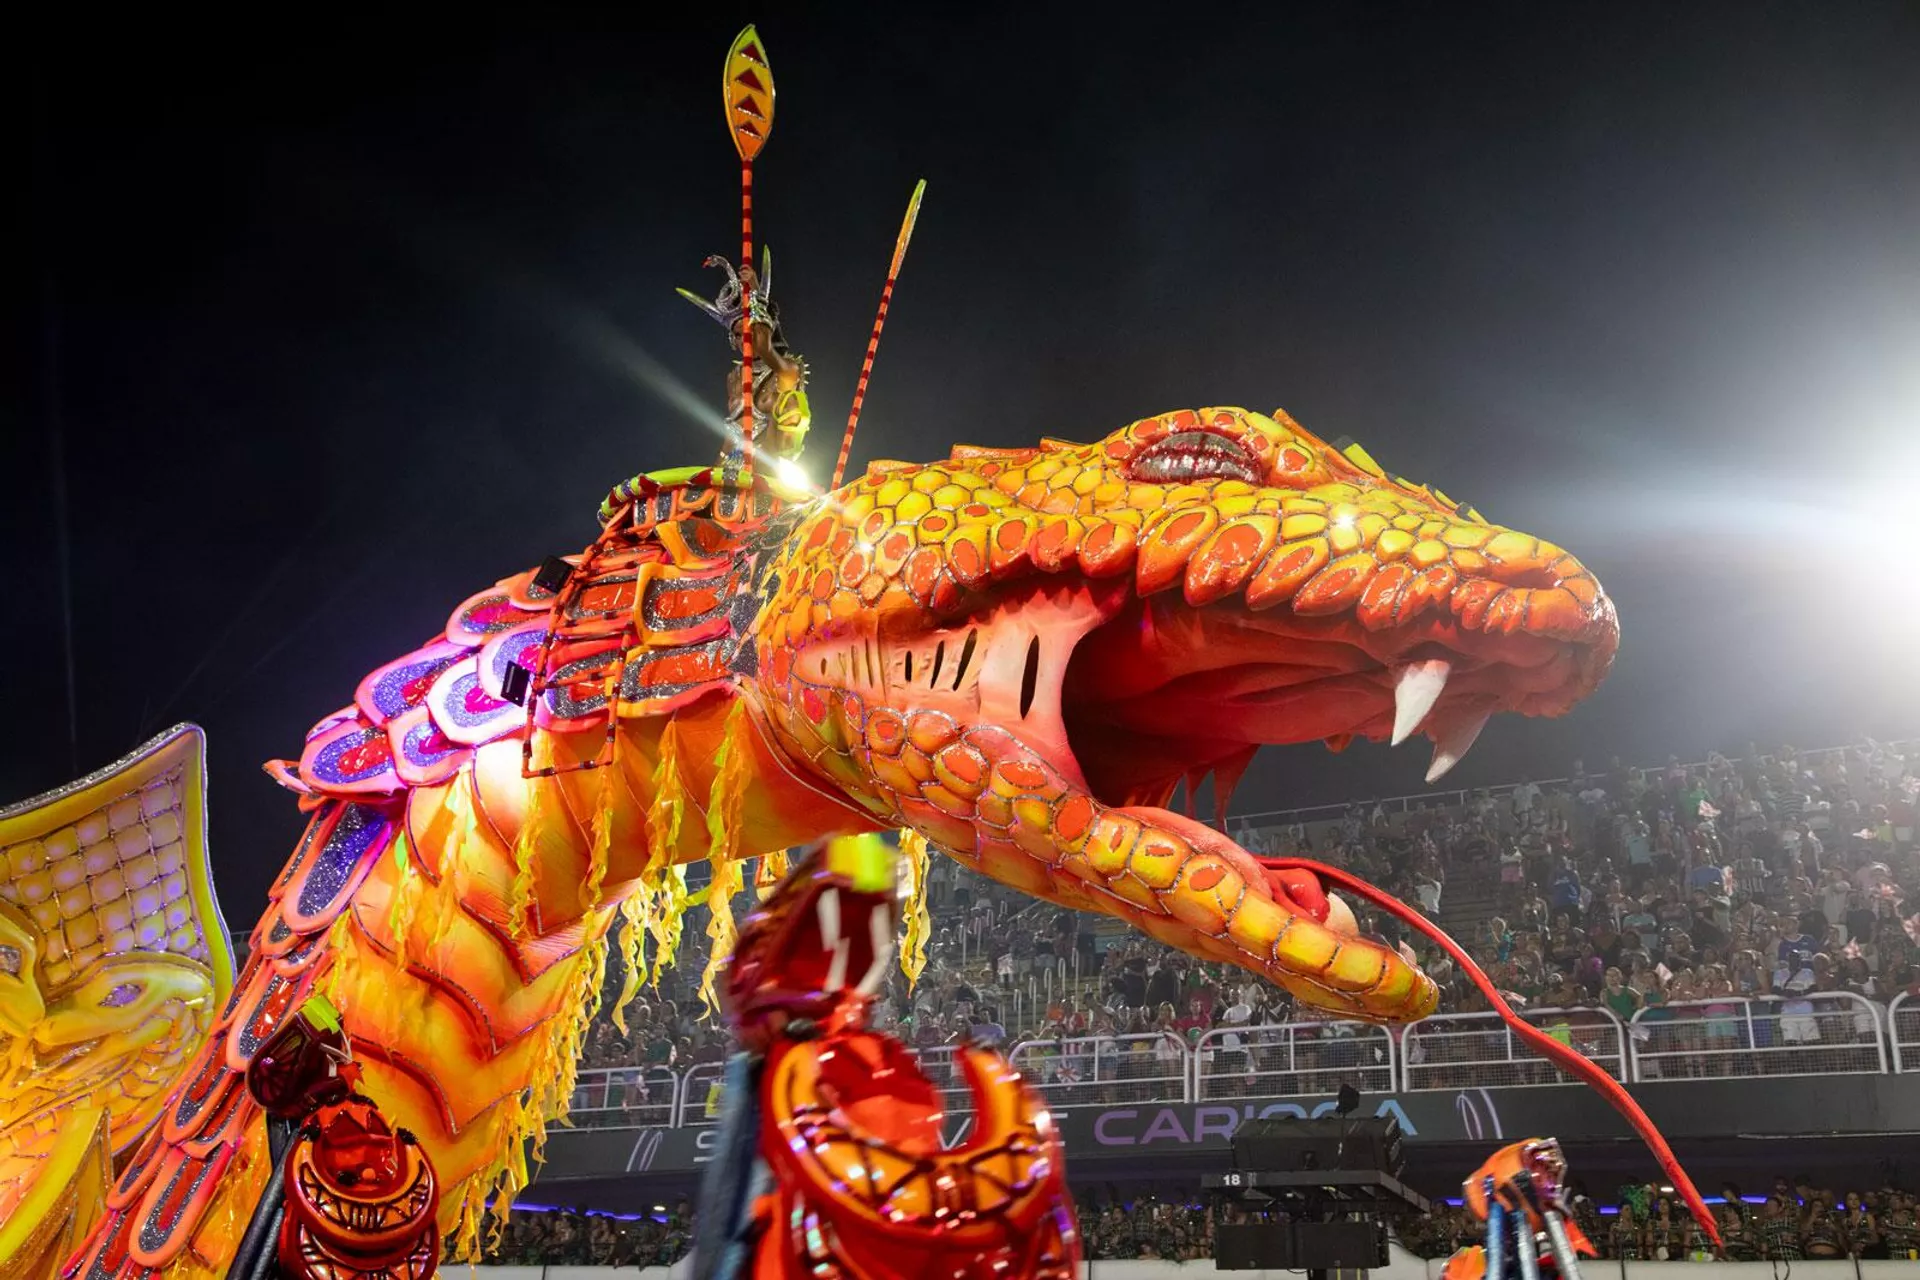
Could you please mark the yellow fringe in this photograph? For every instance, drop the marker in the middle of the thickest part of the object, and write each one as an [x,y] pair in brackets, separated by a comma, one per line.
[918,925]
[634,922]
[665,882]
[602,829]
[526,847]
[405,903]
[732,772]
[520,1127]
[669,918]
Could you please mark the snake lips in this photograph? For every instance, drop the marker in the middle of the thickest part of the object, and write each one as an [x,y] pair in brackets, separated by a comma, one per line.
[1022,653]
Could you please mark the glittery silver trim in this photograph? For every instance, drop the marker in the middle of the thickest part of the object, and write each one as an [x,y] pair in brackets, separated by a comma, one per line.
[631,689]
[154,1232]
[561,704]
[150,747]
[650,604]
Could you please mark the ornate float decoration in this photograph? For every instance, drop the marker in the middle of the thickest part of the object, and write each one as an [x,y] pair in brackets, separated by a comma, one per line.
[1520,1194]
[831,1159]
[1015,656]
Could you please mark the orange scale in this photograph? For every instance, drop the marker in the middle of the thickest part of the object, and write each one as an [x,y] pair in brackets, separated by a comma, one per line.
[1335,587]
[1380,602]
[921,572]
[967,554]
[1285,569]
[1053,545]
[1072,816]
[1107,549]
[1009,549]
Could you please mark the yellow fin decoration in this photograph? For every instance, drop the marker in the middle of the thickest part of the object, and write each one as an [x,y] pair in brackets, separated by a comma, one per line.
[526,847]
[602,844]
[406,895]
[634,923]
[670,919]
[918,924]
[665,879]
[1360,458]
[732,771]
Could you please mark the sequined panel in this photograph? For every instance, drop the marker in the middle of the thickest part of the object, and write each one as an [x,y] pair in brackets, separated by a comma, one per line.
[520,645]
[353,758]
[403,683]
[665,673]
[466,712]
[339,865]
[577,689]
[422,755]
[483,616]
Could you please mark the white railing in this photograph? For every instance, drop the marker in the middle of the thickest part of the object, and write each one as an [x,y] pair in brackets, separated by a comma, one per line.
[624,1097]
[1816,1034]
[1293,1060]
[700,1099]
[1903,1032]
[1473,1050]
[1822,1033]
[1086,1071]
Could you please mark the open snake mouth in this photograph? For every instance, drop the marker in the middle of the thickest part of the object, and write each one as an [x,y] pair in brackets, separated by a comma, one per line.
[1160,691]
[1129,695]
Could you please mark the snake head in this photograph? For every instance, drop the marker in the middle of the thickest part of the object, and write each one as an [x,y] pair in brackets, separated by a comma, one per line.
[1022,653]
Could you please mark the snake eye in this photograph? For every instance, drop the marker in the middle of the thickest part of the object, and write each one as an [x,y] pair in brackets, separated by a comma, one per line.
[1194,455]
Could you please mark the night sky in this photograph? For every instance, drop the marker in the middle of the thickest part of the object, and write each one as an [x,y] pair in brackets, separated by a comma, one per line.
[340,321]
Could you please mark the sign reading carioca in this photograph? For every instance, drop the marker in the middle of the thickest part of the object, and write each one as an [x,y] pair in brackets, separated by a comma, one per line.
[1195,1124]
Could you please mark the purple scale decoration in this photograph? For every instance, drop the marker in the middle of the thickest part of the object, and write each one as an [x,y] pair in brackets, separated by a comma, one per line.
[355,757]
[466,712]
[402,684]
[353,844]
[521,645]
[422,755]
[482,616]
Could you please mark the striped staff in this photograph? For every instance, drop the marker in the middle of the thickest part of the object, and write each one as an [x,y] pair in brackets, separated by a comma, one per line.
[879,323]
[747,92]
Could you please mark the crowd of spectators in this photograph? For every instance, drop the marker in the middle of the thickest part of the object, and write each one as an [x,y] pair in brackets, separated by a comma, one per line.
[1672,893]
[577,1237]
[1795,1221]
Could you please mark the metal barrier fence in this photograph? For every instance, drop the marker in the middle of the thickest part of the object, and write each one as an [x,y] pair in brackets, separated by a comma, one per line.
[700,1099]
[1087,1071]
[1299,1059]
[1461,1050]
[1820,1033]
[624,1097]
[1903,1032]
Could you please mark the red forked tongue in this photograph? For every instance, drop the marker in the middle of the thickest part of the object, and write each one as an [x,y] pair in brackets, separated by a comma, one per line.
[1288,870]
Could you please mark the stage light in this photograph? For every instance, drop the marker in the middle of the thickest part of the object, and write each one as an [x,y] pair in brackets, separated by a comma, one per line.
[792,473]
